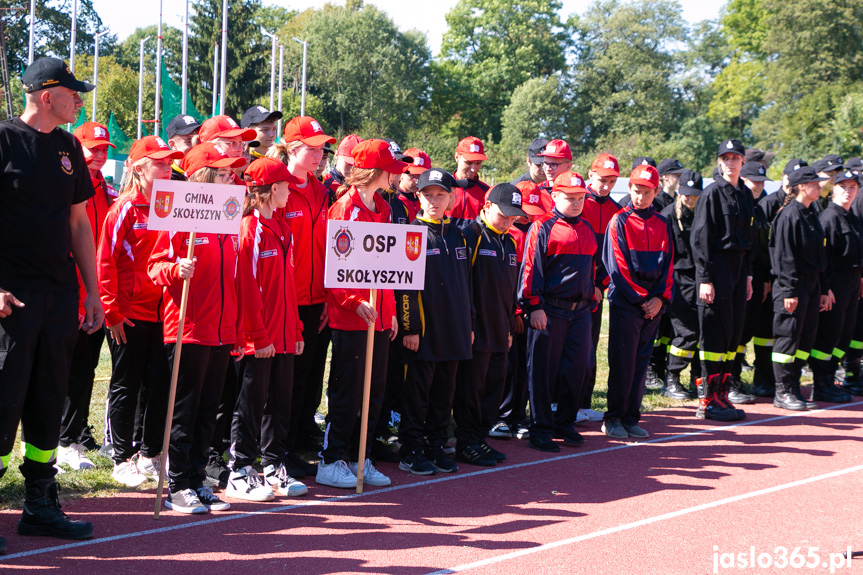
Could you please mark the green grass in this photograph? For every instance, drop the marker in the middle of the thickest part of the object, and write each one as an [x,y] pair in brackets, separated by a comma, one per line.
[98,483]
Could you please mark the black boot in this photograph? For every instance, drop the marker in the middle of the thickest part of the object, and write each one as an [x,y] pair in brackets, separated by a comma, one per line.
[42,515]
[709,404]
[763,381]
[852,383]
[673,389]
[824,389]
[736,391]
[795,387]
[785,398]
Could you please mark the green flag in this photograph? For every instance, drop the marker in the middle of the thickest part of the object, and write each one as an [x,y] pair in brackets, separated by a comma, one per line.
[119,139]
[172,97]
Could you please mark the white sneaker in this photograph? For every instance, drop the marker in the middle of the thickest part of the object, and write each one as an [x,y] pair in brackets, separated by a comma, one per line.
[581,417]
[150,467]
[74,457]
[283,483]
[246,484]
[371,476]
[592,415]
[500,430]
[128,474]
[336,474]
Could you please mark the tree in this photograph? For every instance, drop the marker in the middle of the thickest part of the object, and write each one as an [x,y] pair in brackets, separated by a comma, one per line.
[739,94]
[498,45]
[128,51]
[248,54]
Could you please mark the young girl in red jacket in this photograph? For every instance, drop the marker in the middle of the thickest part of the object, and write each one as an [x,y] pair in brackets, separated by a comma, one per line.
[350,316]
[272,336]
[306,213]
[75,435]
[210,331]
[132,304]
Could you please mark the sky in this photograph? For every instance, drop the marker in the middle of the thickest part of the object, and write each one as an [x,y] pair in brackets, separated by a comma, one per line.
[426,16]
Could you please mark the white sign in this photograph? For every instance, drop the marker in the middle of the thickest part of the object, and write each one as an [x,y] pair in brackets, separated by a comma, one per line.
[375,256]
[194,207]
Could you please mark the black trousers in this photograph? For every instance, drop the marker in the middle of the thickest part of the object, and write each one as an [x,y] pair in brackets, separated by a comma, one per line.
[794,333]
[263,410]
[76,410]
[836,326]
[396,373]
[221,441]
[140,363]
[559,359]
[630,345]
[721,323]
[595,329]
[345,392]
[683,349]
[855,346]
[426,404]
[513,405]
[308,373]
[478,391]
[36,343]
[199,391]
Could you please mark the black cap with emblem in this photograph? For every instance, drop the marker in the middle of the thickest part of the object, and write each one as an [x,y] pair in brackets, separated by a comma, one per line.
[754,172]
[731,147]
[691,183]
[507,198]
[49,72]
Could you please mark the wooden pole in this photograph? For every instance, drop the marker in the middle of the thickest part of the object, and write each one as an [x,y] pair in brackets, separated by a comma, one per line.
[172,395]
[367,387]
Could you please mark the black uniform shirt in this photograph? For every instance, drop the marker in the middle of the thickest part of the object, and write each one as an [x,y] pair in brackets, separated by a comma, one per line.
[844,234]
[796,248]
[41,177]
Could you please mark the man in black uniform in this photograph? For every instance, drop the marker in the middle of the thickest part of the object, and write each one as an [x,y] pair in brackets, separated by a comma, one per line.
[44,186]
[534,171]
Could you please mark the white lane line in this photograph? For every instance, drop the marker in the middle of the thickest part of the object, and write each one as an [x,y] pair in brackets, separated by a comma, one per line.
[456,477]
[647,521]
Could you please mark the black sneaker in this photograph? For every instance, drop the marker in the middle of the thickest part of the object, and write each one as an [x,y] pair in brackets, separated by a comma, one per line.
[543,443]
[439,460]
[209,499]
[217,472]
[299,466]
[492,452]
[474,455]
[87,441]
[569,436]
[416,463]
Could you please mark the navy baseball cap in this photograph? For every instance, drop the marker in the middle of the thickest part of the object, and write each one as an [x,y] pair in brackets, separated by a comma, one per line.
[50,72]
[804,175]
[257,114]
[439,177]
[691,183]
[534,151]
[846,175]
[793,165]
[829,163]
[182,125]
[670,166]
[754,172]
[731,147]
[854,164]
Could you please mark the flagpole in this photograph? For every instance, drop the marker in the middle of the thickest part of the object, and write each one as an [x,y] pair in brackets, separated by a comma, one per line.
[185,86]
[32,30]
[224,54]
[158,74]
[303,93]
[96,72]
[272,68]
[215,75]
[141,84]
[281,85]
[74,35]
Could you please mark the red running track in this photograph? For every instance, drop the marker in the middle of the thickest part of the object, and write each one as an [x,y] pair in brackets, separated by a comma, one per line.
[678,503]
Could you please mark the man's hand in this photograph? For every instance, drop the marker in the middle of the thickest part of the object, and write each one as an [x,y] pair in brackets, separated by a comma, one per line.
[94,314]
[651,307]
[411,342]
[8,302]
[706,293]
[748,288]
[538,319]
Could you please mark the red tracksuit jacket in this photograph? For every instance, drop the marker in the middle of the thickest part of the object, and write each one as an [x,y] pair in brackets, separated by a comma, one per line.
[306,214]
[124,251]
[212,316]
[468,201]
[343,303]
[97,209]
[265,285]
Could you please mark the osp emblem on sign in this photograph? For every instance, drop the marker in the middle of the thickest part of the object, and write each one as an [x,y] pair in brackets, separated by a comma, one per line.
[413,243]
[343,243]
[164,200]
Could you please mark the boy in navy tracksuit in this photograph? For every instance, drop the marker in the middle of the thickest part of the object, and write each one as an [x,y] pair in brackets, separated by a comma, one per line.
[638,255]
[494,268]
[438,331]
[557,291]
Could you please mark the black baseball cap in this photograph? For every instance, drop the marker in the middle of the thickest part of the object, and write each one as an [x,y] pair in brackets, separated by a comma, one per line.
[793,165]
[643,161]
[397,151]
[759,155]
[328,149]
[755,172]
[670,166]
[507,198]
[845,175]
[182,125]
[804,175]
[691,183]
[731,147]
[829,163]
[49,72]
[854,164]
[534,151]
[257,114]
[441,178]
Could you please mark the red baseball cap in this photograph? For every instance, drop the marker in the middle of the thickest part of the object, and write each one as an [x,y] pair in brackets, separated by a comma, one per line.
[645,176]
[471,149]
[534,200]
[92,134]
[557,149]
[308,131]
[347,144]
[265,171]
[208,155]
[569,183]
[422,162]
[370,154]
[605,165]
[152,147]
[223,127]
